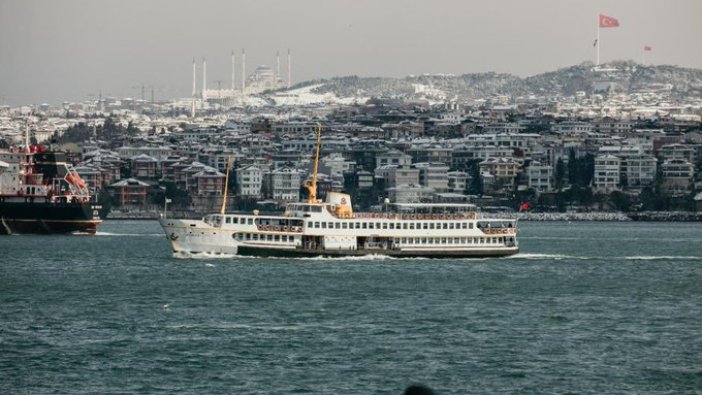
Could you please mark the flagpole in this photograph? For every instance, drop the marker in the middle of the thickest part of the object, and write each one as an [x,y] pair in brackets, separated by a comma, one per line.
[598,40]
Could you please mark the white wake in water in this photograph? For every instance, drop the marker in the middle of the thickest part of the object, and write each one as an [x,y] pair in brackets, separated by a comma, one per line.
[203,255]
[662,257]
[556,257]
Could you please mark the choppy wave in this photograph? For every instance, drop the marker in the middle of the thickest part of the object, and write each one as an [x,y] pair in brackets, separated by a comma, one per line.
[128,234]
[662,257]
[557,257]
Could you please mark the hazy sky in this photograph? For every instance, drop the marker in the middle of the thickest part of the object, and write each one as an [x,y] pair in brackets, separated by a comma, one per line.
[55,50]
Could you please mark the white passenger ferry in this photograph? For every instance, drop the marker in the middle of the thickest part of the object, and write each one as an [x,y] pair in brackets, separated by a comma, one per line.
[331,228]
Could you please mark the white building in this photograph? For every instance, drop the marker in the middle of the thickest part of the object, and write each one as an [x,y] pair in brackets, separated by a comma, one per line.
[249,181]
[395,176]
[433,175]
[457,181]
[540,177]
[640,171]
[607,170]
[284,184]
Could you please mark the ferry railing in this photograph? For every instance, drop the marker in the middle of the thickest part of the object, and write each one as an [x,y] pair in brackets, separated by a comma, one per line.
[279,228]
[400,216]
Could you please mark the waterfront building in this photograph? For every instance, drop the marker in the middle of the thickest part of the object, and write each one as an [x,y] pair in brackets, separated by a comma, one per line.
[540,177]
[607,173]
[677,177]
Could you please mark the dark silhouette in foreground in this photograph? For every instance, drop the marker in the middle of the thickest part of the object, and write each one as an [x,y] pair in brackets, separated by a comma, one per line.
[419,389]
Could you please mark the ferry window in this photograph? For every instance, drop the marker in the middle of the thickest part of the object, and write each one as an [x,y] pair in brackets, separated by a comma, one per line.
[309,224]
[277,238]
[330,225]
[404,240]
[385,225]
[464,225]
[450,240]
[269,237]
[324,225]
[248,236]
[426,225]
[316,224]
[371,225]
[254,236]
[470,225]
[377,225]
[344,225]
[365,225]
[411,225]
[235,220]
[317,209]
[392,225]
[234,236]
[284,238]
[229,220]
[250,221]
[482,240]
[456,240]
[418,225]
[443,240]
[404,225]
[431,225]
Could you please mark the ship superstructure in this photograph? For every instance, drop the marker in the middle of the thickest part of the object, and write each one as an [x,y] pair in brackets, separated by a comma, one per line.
[40,192]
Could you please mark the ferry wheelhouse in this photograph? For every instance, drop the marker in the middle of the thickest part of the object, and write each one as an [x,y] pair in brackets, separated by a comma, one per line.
[331,228]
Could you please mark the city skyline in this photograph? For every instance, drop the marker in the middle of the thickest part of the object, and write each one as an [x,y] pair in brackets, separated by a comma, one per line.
[55,51]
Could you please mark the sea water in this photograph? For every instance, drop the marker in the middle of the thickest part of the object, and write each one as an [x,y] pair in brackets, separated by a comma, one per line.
[585,308]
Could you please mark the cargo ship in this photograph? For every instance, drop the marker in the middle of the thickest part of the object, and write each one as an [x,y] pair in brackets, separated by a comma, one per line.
[40,192]
[331,228]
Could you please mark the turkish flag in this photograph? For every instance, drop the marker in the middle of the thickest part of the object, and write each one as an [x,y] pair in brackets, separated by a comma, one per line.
[647,48]
[608,21]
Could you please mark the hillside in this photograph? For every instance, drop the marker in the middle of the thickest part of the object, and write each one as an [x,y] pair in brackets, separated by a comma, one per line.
[626,77]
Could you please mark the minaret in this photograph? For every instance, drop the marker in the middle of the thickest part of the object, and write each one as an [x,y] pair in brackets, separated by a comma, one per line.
[289,69]
[233,69]
[192,107]
[277,69]
[243,71]
[204,80]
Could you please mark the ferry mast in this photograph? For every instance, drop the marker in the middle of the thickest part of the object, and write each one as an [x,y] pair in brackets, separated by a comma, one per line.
[311,186]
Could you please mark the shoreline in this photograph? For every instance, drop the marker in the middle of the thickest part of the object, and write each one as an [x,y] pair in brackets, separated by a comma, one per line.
[646,216]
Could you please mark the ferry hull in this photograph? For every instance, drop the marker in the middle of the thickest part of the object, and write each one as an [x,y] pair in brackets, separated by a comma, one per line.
[195,237]
[47,218]
[190,236]
[272,252]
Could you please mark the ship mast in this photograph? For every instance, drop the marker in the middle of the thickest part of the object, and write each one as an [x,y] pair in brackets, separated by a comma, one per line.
[226,187]
[312,185]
